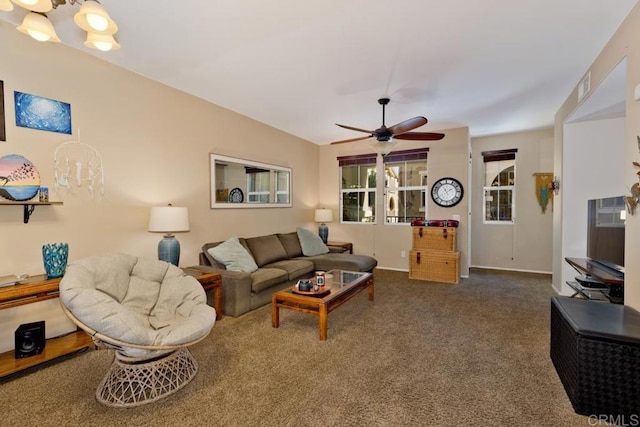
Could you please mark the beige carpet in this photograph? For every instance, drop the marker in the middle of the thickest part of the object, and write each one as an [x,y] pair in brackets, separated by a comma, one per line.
[422,354]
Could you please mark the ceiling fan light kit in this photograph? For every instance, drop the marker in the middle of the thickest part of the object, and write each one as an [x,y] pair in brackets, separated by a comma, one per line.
[92,18]
[385,135]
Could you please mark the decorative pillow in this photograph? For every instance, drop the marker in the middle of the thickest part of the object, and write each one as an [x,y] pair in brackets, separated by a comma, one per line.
[311,243]
[234,256]
[266,249]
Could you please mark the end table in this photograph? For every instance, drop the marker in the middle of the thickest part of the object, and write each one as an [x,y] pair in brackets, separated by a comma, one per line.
[209,280]
[345,246]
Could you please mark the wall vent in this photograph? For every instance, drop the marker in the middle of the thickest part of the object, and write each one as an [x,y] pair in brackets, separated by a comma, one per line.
[584,86]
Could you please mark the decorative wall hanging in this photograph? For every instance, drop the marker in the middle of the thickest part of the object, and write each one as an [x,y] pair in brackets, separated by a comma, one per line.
[633,200]
[3,134]
[544,189]
[36,112]
[19,178]
[76,164]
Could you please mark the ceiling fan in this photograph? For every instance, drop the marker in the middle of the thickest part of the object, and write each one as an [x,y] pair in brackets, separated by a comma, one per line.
[385,135]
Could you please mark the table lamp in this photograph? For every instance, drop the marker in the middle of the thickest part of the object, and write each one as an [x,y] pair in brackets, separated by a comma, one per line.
[323,216]
[169,220]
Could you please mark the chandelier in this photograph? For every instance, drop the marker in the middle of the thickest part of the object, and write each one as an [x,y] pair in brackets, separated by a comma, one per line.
[91,17]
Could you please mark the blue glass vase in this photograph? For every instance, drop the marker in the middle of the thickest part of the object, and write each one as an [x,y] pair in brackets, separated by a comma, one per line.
[55,257]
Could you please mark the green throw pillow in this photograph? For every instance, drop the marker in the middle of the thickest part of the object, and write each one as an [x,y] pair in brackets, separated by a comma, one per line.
[234,256]
[311,243]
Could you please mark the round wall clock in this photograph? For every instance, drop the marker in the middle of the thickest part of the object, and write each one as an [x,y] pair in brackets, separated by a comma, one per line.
[236,195]
[447,192]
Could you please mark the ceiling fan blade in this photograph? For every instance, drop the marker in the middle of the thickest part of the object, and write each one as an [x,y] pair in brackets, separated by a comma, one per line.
[420,136]
[356,129]
[351,140]
[407,125]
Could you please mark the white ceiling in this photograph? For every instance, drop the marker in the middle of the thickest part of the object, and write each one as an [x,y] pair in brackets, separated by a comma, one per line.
[495,66]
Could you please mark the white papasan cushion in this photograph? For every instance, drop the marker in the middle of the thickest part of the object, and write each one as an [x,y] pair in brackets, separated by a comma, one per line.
[179,313]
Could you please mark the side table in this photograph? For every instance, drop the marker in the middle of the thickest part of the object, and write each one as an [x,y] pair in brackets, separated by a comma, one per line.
[209,280]
[34,289]
[346,246]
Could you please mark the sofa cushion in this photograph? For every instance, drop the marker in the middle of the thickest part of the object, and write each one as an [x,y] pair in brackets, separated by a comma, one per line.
[234,256]
[311,243]
[266,249]
[346,262]
[265,278]
[295,268]
[291,244]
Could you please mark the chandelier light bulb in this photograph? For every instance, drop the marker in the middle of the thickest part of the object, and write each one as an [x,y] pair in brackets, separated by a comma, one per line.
[6,5]
[92,17]
[38,35]
[35,5]
[103,42]
[38,26]
[97,22]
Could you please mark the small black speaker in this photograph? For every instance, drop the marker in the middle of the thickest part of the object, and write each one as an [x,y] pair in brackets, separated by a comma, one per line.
[30,339]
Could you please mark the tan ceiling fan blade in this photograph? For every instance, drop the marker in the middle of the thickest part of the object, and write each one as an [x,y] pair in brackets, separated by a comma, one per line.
[356,129]
[420,136]
[408,125]
[351,140]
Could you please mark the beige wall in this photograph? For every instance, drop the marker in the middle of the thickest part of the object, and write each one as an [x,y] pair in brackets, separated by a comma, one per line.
[448,157]
[154,142]
[526,244]
[624,43]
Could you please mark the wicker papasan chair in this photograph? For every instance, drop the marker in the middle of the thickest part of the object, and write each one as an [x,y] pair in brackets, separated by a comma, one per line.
[149,312]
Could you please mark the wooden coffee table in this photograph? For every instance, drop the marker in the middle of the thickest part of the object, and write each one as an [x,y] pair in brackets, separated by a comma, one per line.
[343,285]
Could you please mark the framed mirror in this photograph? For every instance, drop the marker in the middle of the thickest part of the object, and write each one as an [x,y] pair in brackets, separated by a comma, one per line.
[239,183]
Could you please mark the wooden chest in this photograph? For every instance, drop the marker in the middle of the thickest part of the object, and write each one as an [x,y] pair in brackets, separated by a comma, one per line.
[435,238]
[434,266]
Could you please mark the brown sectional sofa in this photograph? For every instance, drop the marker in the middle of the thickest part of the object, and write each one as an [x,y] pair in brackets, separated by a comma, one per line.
[281,263]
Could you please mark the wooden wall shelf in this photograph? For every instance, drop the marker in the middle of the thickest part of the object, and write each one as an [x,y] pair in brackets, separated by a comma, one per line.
[28,206]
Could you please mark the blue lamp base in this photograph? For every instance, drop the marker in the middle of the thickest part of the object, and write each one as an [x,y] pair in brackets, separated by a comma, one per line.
[169,249]
[323,232]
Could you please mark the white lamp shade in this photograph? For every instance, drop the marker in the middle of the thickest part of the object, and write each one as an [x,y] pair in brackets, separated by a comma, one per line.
[169,219]
[35,5]
[39,27]
[6,5]
[103,42]
[383,147]
[92,17]
[323,215]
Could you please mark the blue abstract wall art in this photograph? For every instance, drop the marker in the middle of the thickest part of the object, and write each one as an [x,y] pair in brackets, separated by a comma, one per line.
[36,112]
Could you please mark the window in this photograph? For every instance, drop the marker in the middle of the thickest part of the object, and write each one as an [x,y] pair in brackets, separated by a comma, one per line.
[282,187]
[405,185]
[499,186]
[358,188]
[258,185]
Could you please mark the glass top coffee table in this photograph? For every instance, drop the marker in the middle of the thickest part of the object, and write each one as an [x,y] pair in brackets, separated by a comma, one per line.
[341,286]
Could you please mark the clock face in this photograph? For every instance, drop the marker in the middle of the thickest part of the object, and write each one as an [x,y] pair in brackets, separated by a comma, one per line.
[236,196]
[447,192]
